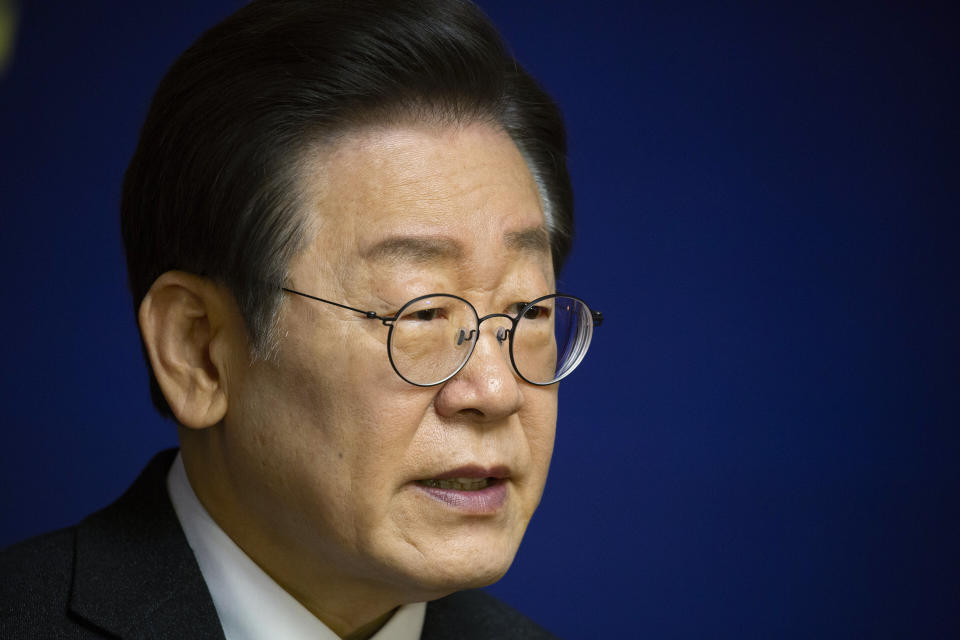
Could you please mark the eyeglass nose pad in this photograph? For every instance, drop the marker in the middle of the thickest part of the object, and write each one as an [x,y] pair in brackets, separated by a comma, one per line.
[463,336]
[502,334]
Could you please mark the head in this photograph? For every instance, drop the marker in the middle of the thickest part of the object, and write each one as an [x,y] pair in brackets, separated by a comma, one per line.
[366,153]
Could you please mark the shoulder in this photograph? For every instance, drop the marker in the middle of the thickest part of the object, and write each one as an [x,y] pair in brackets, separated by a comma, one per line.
[41,565]
[470,615]
[44,558]
[35,588]
[88,579]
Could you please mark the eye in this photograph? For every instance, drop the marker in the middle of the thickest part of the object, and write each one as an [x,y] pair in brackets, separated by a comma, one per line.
[536,312]
[424,315]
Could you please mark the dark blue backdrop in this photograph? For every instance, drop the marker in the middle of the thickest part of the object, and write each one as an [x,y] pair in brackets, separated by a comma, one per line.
[763,442]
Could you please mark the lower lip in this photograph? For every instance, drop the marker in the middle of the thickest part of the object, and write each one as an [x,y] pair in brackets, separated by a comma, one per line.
[481,502]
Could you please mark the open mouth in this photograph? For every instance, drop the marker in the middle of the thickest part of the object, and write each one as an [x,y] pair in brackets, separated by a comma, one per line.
[459,484]
[480,495]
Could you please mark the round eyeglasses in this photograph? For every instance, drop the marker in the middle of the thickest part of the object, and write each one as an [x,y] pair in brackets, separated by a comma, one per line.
[431,337]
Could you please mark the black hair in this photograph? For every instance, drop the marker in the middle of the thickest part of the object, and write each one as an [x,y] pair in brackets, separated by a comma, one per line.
[213,186]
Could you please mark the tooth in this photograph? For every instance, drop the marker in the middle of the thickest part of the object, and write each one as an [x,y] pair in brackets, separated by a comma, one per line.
[459,484]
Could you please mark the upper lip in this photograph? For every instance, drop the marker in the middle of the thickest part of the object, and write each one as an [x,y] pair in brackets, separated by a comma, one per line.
[498,471]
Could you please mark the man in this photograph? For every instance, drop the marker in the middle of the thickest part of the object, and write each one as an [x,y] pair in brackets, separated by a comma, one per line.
[342,224]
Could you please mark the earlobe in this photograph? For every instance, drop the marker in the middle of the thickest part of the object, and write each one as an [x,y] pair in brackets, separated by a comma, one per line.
[180,318]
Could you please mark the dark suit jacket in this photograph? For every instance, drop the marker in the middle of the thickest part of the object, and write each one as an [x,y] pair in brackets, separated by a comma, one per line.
[128,572]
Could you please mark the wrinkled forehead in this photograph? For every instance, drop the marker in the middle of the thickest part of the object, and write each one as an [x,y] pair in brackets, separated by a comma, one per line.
[415,193]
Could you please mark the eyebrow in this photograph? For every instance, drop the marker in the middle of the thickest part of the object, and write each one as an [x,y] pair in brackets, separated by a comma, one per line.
[533,240]
[427,249]
[414,249]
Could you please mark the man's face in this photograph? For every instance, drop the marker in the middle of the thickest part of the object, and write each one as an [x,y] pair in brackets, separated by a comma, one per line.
[328,451]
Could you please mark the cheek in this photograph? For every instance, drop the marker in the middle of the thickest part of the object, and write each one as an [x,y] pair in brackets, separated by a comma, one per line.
[355,421]
[327,445]
[541,424]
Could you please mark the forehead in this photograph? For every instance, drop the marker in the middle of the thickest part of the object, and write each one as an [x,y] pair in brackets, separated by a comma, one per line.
[423,192]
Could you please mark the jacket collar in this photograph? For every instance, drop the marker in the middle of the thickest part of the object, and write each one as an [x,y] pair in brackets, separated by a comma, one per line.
[135,574]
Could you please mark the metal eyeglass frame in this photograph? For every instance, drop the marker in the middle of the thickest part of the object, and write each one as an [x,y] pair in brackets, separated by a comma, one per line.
[502,334]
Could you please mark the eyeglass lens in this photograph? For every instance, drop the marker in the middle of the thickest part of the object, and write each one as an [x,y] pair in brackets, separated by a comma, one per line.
[433,337]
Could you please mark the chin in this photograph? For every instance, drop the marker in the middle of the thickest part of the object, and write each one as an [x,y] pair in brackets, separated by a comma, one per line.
[472,570]
[432,561]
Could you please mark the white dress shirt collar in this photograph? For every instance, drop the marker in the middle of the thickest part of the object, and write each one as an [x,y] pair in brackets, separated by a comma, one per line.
[251,605]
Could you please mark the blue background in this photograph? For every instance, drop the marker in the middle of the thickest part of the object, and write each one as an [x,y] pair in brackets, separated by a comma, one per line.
[763,441]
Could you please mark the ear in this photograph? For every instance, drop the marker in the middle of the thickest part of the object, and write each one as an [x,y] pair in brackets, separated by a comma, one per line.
[189,325]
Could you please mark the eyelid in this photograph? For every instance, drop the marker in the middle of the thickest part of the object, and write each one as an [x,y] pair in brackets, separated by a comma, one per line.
[436,311]
[544,311]
[512,309]
[517,307]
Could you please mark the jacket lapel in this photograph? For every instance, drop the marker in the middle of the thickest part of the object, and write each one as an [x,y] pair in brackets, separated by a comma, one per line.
[135,575]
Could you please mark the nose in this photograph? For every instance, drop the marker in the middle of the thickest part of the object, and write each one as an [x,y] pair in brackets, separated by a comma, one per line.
[487,388]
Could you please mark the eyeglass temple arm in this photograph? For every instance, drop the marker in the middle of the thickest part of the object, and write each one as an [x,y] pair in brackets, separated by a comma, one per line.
[370,314]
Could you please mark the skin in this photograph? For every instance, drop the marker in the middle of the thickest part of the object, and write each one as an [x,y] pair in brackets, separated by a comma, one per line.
[310,460]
